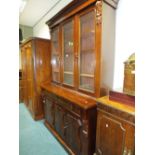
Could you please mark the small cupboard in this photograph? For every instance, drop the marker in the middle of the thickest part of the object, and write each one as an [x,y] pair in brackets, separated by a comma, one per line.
[115,133]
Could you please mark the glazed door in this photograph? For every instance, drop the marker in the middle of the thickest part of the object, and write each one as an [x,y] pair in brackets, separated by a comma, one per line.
[68,52]
[56,55]
[87,46]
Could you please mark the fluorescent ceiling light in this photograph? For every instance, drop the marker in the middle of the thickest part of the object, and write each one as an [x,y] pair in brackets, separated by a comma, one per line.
[22,6]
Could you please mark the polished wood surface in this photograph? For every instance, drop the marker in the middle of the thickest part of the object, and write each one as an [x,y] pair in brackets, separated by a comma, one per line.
[80,67]
[80,99]
[35,69]
[76,65]
[72,125]
[117,105]
[115,128]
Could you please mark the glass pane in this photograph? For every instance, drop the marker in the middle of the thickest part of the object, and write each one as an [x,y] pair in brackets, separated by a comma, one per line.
[87,51]
[68,51]
[55,56]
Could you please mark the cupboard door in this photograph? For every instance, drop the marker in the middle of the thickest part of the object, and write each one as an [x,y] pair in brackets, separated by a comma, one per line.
[110,136]
[72,132]
[24,75]
[68,53]
[55,55]
[29,77]
[59,112]
[87,51]
[49,109]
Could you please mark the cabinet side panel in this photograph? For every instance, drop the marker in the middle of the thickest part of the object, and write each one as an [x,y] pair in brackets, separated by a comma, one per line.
[41,70]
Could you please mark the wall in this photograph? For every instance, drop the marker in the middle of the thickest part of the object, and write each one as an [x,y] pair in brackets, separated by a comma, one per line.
[108,44]
[125,39]
[41,29]
[26,32]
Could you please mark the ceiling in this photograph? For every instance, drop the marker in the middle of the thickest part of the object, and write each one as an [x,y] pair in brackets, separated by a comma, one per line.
[34,10]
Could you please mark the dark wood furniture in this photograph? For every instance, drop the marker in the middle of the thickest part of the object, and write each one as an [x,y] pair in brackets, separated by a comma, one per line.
[76,47]
[76,66]
[35,54]
[71,117]
[115,128]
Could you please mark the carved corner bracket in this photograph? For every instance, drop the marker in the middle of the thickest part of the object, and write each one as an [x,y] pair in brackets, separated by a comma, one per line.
[98,10]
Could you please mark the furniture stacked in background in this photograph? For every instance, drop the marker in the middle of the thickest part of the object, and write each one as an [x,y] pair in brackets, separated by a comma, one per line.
[35,54]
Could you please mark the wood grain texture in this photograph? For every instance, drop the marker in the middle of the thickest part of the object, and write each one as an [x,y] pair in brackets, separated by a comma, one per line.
[72,125]
[36,69]
[115,128]
[80,99]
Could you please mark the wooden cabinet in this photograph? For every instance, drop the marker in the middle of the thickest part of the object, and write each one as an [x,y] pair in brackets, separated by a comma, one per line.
[76,47]
[73,125]
[35,54]
[77,78]
[115,128]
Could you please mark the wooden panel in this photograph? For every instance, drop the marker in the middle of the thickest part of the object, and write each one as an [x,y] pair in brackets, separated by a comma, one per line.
[110,136]
[73,126]
[36,69]
[115,128]
[49,109]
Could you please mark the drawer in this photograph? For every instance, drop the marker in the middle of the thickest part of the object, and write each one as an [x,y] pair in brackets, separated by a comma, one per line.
[64,103]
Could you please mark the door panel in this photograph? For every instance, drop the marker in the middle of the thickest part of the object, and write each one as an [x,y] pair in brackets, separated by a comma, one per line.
[111,136]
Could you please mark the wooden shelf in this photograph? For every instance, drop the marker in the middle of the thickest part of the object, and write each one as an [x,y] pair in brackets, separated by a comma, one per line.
[71,73]
[87,75]
[87,50]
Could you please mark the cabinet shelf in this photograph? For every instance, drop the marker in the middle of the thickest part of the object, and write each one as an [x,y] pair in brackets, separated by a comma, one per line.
[87,75]
[87,50]
[67,72]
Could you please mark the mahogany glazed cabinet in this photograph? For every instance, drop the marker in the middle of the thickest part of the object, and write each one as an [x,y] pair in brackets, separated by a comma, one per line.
[115,128]
[35,54]
[76,80]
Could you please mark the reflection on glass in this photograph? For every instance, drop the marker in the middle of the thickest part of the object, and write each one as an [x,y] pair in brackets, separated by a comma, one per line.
[55,56]
[87,51]
[68,51]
